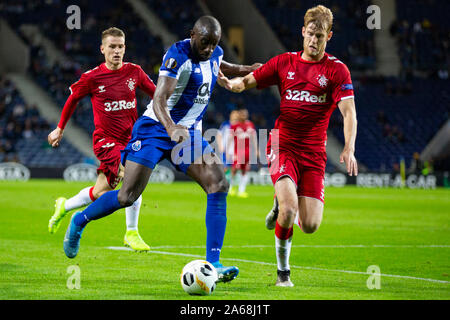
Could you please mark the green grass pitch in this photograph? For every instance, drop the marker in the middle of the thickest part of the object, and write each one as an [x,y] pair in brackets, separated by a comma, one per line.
[405,233]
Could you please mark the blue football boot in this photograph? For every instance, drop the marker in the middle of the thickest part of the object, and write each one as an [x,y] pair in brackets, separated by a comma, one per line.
[226,274]
[72,238]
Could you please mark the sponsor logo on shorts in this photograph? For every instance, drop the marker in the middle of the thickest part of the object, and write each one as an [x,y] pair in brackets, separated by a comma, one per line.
[136,146]
[108,145]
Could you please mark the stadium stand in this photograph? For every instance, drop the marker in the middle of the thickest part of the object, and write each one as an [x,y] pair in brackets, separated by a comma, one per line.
[23,134]
[423,38]
[82,46]
[355,46]
[393,113]
[394,126]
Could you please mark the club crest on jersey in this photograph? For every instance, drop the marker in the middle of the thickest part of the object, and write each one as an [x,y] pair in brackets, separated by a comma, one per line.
[215,68]
[131,83]
[136,146]
[323,81]
[101,89]
[291,75]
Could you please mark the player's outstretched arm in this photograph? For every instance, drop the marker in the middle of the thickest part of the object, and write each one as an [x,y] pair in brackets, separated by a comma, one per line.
[237,70]
[237,84]
[348,110]
[78,91]
[164,89]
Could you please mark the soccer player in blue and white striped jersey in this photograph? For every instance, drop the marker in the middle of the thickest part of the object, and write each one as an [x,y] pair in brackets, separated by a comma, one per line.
[171,129]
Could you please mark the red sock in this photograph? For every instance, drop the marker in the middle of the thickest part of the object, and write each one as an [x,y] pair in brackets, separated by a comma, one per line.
[283,233]
[91,194]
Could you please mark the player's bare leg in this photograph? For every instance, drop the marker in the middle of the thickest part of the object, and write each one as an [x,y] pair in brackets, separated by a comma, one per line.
[310,214]
[286,192]
[134,182]
[210,176]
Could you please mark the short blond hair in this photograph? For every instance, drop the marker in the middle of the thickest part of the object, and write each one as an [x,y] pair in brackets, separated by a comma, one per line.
[113,31]
[321,17]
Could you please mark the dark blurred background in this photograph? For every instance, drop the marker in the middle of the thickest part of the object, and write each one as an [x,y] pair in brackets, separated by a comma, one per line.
[400,72]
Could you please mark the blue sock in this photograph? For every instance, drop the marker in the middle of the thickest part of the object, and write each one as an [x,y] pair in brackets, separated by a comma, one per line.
[216,221]
[103,206]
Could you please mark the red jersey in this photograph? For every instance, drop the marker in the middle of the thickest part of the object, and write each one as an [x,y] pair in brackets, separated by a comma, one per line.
[242,133]
[113,97]
[309,93]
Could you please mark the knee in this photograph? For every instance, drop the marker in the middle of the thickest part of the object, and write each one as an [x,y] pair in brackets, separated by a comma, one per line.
[287,214]
[221,185]
[311,225]
[126,199]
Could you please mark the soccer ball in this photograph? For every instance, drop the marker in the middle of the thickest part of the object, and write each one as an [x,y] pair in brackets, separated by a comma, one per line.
[199,278]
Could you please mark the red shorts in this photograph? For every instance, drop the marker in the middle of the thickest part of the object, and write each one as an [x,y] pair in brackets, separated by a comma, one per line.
[107,150]
[306,170]
[241,161]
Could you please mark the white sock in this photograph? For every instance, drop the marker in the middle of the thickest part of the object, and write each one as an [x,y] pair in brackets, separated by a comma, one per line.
[80,200]
[283,251]
[132,214]
[243,183]
[296,220]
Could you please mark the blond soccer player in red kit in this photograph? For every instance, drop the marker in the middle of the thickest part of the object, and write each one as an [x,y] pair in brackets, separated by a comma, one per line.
[312,83]
[112,88]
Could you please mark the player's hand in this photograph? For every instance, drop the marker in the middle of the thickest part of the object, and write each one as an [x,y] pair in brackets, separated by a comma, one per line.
[255,66]
[55,137]
[223,81]
[178,133]
[348,157]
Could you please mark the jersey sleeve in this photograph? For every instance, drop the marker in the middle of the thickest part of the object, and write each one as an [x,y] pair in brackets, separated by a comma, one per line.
[172,61]
[145,83]
[267,75]
[342,84]
[78,91]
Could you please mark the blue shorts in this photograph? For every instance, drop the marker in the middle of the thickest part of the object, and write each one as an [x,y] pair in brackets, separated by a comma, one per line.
[150,144]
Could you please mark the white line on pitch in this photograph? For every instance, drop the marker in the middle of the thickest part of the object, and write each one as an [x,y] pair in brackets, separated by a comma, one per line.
[311,246]
[292,266]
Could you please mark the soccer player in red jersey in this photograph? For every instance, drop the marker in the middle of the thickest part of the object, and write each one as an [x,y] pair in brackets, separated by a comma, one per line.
[312,83]
[243,134]
[112,87]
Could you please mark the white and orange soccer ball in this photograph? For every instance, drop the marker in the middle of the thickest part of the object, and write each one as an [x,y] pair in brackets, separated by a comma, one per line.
[199,278]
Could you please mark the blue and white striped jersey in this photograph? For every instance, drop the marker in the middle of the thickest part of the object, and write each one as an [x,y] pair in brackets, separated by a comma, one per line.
[196,80]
